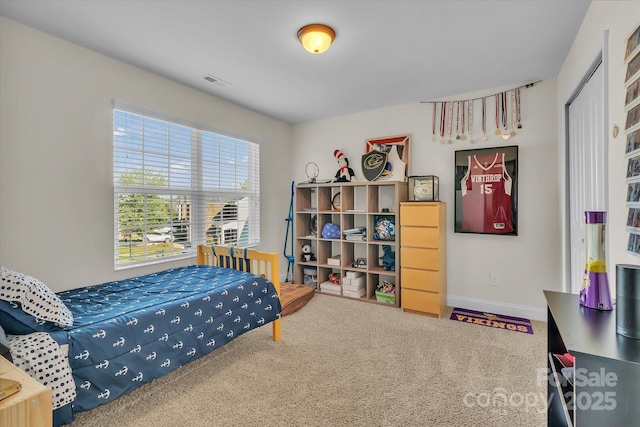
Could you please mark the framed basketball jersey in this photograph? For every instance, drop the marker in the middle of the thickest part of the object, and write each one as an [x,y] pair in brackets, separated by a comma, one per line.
[486,191]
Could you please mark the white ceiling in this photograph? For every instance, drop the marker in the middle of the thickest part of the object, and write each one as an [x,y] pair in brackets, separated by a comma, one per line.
[386,52]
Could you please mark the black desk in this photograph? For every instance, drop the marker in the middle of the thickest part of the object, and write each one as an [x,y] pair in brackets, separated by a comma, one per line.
[606,387]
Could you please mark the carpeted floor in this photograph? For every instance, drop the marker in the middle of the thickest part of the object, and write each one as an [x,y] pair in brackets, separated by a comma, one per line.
[348,363]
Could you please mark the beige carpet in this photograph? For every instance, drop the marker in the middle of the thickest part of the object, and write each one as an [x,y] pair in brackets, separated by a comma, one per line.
[349,363]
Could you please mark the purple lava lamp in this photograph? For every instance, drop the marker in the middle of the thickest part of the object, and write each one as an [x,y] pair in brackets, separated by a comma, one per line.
[595,284]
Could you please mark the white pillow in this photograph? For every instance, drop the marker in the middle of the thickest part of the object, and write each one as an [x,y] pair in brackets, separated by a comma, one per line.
[34,297]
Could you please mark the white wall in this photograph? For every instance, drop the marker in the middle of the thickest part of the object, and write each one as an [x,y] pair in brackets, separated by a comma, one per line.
[55,125]
[56,180]
[527,263]
[620,18]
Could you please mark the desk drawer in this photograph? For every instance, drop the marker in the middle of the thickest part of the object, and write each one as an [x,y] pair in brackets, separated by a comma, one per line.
[421,237]
[426,302]
[421,280]
[427,259]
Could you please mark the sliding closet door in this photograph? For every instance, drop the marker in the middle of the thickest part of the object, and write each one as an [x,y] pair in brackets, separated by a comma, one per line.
[587,177]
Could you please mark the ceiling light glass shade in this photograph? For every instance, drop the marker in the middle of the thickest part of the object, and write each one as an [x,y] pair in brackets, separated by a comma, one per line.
[316,38]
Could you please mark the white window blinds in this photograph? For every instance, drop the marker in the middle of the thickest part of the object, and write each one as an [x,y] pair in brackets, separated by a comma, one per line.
[177,185]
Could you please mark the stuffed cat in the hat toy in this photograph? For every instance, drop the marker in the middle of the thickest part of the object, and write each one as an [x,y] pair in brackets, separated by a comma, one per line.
[345,173]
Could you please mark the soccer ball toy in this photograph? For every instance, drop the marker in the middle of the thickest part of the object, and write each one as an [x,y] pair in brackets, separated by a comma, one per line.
[385,229]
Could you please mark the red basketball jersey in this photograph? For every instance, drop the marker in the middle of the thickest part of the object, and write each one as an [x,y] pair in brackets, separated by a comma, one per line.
[486,195]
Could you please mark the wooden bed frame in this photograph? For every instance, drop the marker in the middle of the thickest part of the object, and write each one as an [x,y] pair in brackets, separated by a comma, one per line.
[250,260]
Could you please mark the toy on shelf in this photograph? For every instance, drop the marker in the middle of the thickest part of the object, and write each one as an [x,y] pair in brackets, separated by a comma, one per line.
[307,255]
[386,287]
[330,231]
[388,259]
[359,263]
[385,227]
[333,278]
[345,173]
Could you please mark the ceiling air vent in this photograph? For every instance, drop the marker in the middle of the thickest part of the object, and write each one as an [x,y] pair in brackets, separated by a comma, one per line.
[215,80]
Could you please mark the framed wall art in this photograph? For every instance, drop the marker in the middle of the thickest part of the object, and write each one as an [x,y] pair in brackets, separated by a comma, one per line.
[486,186]
[386,158]
[633,67]
[633,93]
[633,41]
[633,142]
[632,135]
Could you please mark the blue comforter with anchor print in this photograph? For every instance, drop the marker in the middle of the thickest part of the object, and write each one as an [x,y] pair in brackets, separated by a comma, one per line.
[130,332]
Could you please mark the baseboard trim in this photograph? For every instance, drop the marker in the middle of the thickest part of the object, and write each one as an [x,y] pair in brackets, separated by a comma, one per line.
[532,313]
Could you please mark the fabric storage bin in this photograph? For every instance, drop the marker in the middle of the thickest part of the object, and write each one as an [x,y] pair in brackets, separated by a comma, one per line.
[385,297]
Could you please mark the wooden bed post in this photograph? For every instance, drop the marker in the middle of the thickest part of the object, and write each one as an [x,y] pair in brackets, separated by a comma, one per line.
[275,279]
[260,263]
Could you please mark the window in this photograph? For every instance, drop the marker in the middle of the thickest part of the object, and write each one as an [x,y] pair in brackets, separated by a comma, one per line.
[177,185]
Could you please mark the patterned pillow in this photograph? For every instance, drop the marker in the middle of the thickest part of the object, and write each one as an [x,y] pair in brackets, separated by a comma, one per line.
[330,231]
[27,295]
[40,356]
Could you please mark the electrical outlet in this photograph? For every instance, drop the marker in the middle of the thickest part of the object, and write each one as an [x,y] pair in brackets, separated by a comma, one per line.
[495,279]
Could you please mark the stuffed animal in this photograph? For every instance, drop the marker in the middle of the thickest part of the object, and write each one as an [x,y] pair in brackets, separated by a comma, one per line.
[345,173]
[388,259]
[333,278]
[307,255]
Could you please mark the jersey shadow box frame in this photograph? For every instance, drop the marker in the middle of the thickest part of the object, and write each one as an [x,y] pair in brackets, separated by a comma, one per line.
[486,191]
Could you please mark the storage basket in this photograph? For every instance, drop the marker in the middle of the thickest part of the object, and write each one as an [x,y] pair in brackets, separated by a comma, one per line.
[385,297]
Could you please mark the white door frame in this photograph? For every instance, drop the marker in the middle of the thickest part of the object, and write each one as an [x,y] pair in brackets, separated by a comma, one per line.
[601,58]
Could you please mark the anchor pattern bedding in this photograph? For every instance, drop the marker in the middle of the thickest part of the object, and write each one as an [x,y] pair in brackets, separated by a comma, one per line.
[129,332]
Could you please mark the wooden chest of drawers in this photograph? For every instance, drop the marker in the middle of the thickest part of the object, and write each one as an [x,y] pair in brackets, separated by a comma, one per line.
[423,257]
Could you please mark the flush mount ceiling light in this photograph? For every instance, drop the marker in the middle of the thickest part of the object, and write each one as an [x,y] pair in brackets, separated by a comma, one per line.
[316,38]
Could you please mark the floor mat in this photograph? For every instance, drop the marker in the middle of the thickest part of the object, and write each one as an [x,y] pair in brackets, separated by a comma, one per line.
[491,320]
[294,297]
